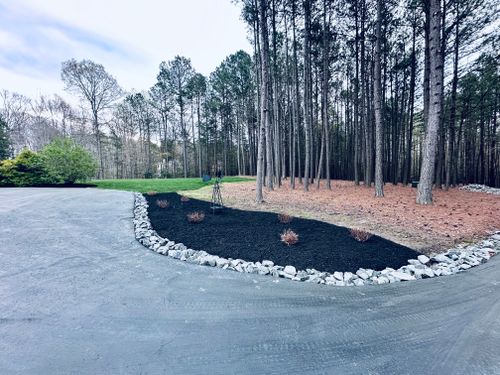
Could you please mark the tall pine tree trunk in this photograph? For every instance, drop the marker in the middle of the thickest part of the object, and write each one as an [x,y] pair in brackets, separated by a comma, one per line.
[407,168]
[199,137]
[276,110]
[440,163]
[377,93]
[426,60]
[184,139]
[264,100]
[324,96]
[320,161]
[453,110]
[364,103]
[424,192]
[357,133]
[307,92]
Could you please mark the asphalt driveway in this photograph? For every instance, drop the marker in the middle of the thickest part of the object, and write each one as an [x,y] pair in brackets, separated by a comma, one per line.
[78,295]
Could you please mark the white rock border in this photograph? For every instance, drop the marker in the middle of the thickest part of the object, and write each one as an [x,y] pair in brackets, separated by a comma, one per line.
[455,260]
[477,188]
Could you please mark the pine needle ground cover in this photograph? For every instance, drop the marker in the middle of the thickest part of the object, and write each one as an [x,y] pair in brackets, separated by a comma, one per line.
[256,236]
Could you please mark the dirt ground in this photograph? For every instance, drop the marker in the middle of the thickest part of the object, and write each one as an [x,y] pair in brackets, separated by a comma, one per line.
[456,215]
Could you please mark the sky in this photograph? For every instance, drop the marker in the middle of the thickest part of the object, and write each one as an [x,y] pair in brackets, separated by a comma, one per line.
[129,37]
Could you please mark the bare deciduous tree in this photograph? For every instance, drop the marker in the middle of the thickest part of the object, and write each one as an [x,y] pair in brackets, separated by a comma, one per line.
[94,85]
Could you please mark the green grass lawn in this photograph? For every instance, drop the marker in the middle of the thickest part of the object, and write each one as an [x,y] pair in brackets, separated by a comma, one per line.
[161,185]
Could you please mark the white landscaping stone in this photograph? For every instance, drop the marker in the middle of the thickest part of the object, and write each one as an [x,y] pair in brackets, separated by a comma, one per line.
[362,274]
[441,258]
[481,189]
[403,276]
[387,271]
[290,270]
[221,262]
[418,273]
[383,280]
[286,275]
[359,282]
[428,272]
[338,276]
[348,276]
[235,262]
[330,280]
[302,276]
[423,259]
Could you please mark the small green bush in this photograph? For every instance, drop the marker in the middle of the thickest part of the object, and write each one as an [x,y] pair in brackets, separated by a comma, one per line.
[68,162]
[61,161]
[27,169]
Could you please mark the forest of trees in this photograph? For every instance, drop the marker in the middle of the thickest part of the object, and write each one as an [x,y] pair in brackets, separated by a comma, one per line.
[366,90]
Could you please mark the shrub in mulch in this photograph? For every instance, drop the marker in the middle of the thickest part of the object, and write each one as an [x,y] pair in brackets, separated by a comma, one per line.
[289,237]
[360,235]
[184,199]
[196,217]
[162,203]
[284,218]
[152,193]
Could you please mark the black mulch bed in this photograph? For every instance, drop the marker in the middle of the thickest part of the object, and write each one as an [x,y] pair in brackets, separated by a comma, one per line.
[255,236]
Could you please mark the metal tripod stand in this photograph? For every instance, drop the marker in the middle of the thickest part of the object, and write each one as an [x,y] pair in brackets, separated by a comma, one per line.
[216,203]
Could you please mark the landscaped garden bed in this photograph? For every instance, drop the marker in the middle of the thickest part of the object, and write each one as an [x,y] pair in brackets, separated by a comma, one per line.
[457,215]
[454,260]
[256,236]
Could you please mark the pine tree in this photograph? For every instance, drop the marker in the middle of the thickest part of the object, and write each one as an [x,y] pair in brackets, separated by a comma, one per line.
[4,141]
[379,178]
[424,192]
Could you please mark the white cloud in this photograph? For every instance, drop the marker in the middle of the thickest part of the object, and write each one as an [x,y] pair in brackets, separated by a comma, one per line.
[130,38]
[10,40]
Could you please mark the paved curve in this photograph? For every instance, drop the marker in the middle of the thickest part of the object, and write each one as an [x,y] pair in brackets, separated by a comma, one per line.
[78,295]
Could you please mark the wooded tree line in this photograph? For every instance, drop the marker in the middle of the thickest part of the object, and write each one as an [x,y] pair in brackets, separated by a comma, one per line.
[186,124]
[377,91]
[365,90]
